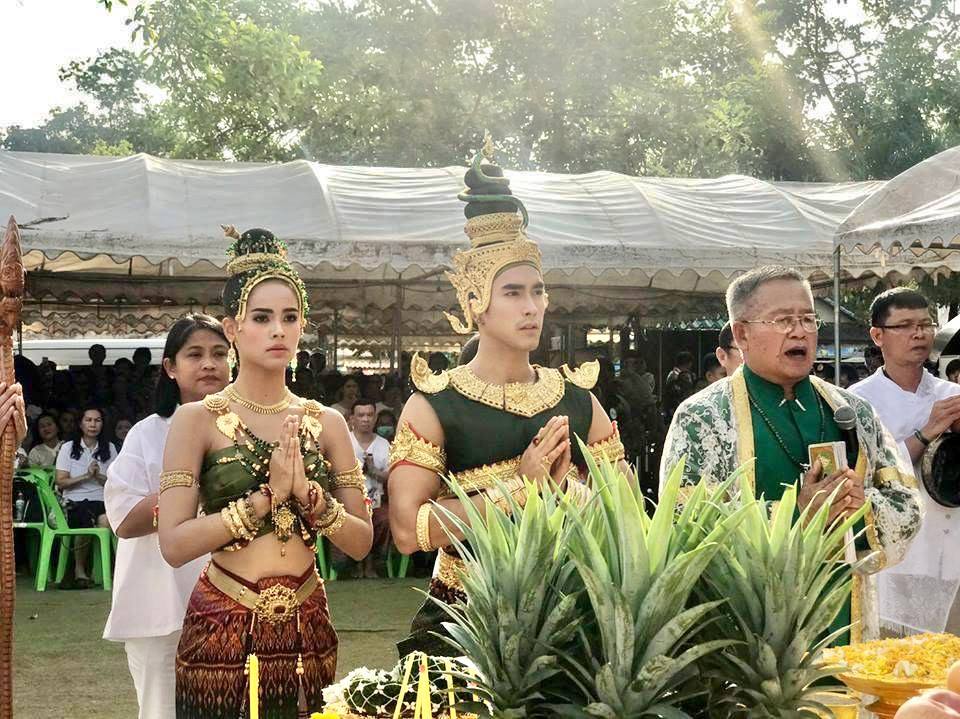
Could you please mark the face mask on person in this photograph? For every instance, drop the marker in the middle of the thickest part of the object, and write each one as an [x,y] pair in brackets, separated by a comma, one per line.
[386,431]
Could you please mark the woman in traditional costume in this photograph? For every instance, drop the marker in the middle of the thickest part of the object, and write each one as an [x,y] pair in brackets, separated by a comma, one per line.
[269,472]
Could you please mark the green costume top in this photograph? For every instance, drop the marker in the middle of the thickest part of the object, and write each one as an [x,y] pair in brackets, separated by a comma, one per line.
[718,430]
[237,471]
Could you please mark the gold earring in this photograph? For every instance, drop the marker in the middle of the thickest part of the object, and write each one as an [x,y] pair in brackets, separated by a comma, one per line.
[231,357]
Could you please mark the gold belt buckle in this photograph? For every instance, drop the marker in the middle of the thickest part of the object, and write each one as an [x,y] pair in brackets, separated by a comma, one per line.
[277,604]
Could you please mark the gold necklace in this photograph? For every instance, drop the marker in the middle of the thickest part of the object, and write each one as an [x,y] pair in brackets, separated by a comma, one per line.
[277,408]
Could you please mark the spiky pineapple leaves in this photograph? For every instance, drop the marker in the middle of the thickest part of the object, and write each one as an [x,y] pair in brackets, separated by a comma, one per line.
[785,583]
[604,611]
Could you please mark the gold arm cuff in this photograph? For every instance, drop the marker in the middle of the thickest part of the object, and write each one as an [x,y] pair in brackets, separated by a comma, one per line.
[176,478]
[610,448]
[350,479]
[408,447]
[423,528]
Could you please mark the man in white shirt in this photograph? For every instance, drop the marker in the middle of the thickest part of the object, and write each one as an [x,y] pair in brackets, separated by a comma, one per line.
[920,594]
[373,452]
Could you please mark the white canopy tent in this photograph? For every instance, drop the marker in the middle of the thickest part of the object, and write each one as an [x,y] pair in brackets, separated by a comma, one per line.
[140,236]
[911,225]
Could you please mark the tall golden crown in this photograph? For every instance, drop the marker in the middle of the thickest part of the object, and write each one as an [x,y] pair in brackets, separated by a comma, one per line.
[496,225]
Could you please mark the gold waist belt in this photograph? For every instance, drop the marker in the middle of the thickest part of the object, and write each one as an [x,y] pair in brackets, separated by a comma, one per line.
[450,570]
[275,604]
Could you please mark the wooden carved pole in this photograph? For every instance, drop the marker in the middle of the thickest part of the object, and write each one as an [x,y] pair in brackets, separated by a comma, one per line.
[11,302]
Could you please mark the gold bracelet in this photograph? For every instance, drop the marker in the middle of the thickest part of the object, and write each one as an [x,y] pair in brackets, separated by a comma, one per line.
[332,526]
[249,515]
[176,478]
[226,516]
[237,514]
[514,488]
[423,528]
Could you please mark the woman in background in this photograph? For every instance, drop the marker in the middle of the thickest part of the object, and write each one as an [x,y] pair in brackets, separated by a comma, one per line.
[149,596]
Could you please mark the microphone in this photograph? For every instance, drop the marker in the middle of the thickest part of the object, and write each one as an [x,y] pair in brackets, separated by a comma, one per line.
[846,421]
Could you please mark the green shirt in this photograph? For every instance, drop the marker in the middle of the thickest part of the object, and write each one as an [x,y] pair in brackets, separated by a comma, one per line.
[800,422]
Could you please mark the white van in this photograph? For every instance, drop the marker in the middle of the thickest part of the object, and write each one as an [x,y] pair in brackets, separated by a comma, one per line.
[67,353]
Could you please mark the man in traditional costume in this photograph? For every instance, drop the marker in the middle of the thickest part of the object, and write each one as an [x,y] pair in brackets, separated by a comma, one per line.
[767,414]
[920,410]
[496,419]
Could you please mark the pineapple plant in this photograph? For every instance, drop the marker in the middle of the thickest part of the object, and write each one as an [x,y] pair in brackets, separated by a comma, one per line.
[516,623]
[785,581]
[639,643]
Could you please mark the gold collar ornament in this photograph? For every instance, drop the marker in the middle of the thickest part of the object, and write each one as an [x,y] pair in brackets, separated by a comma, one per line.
[496,225]
[525,399]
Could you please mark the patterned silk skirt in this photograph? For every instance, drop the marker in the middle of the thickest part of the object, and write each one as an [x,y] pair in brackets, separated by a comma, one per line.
[218,634]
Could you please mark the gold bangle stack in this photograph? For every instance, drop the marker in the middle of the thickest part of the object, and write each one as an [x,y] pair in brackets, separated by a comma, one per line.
[176,478]
[332,518]
[240,520]
[423,528]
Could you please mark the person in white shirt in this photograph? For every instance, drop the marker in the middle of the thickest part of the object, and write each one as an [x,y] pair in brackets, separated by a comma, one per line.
[373,451]
[45,451]
[919,594]
[149,596]
[81,472]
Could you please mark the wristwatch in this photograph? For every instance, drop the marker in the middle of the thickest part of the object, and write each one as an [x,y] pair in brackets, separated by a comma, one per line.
[920,438]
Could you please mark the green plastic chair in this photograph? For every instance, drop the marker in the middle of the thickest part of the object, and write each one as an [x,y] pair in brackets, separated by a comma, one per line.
[324,563]
[32,476]
[397,564]
[56,528]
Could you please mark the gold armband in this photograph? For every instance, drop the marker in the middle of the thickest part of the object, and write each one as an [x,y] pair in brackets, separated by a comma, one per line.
[350,479]
[423,528]
[176,478]
[410,447]
[610,448]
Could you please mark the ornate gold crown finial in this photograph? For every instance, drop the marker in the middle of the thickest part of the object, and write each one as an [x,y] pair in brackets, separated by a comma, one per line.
[495,225]
[488,147]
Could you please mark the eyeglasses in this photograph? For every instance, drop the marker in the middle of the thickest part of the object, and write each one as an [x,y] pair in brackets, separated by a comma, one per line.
[927,328]
[786,323]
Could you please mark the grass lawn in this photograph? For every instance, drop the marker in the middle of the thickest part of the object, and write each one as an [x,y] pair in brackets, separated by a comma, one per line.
[62,667]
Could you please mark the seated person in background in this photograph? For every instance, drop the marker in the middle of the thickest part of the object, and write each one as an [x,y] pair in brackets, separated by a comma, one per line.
[81,473]
[46,435]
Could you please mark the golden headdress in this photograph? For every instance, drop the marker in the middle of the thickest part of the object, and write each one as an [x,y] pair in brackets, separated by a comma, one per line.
[257,256]
[496,224]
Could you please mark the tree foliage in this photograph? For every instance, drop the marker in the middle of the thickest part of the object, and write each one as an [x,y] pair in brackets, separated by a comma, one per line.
[780,89]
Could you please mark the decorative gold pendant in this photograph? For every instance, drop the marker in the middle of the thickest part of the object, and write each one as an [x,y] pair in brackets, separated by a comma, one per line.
[283,521]
[311,425]
[228,423]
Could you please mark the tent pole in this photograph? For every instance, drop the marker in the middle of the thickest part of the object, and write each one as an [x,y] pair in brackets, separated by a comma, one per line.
[336,336]
[836,316]
[397,326]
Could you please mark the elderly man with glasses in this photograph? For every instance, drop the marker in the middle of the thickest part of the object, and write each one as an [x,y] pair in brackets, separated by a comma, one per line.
[920,594]
[767,413]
